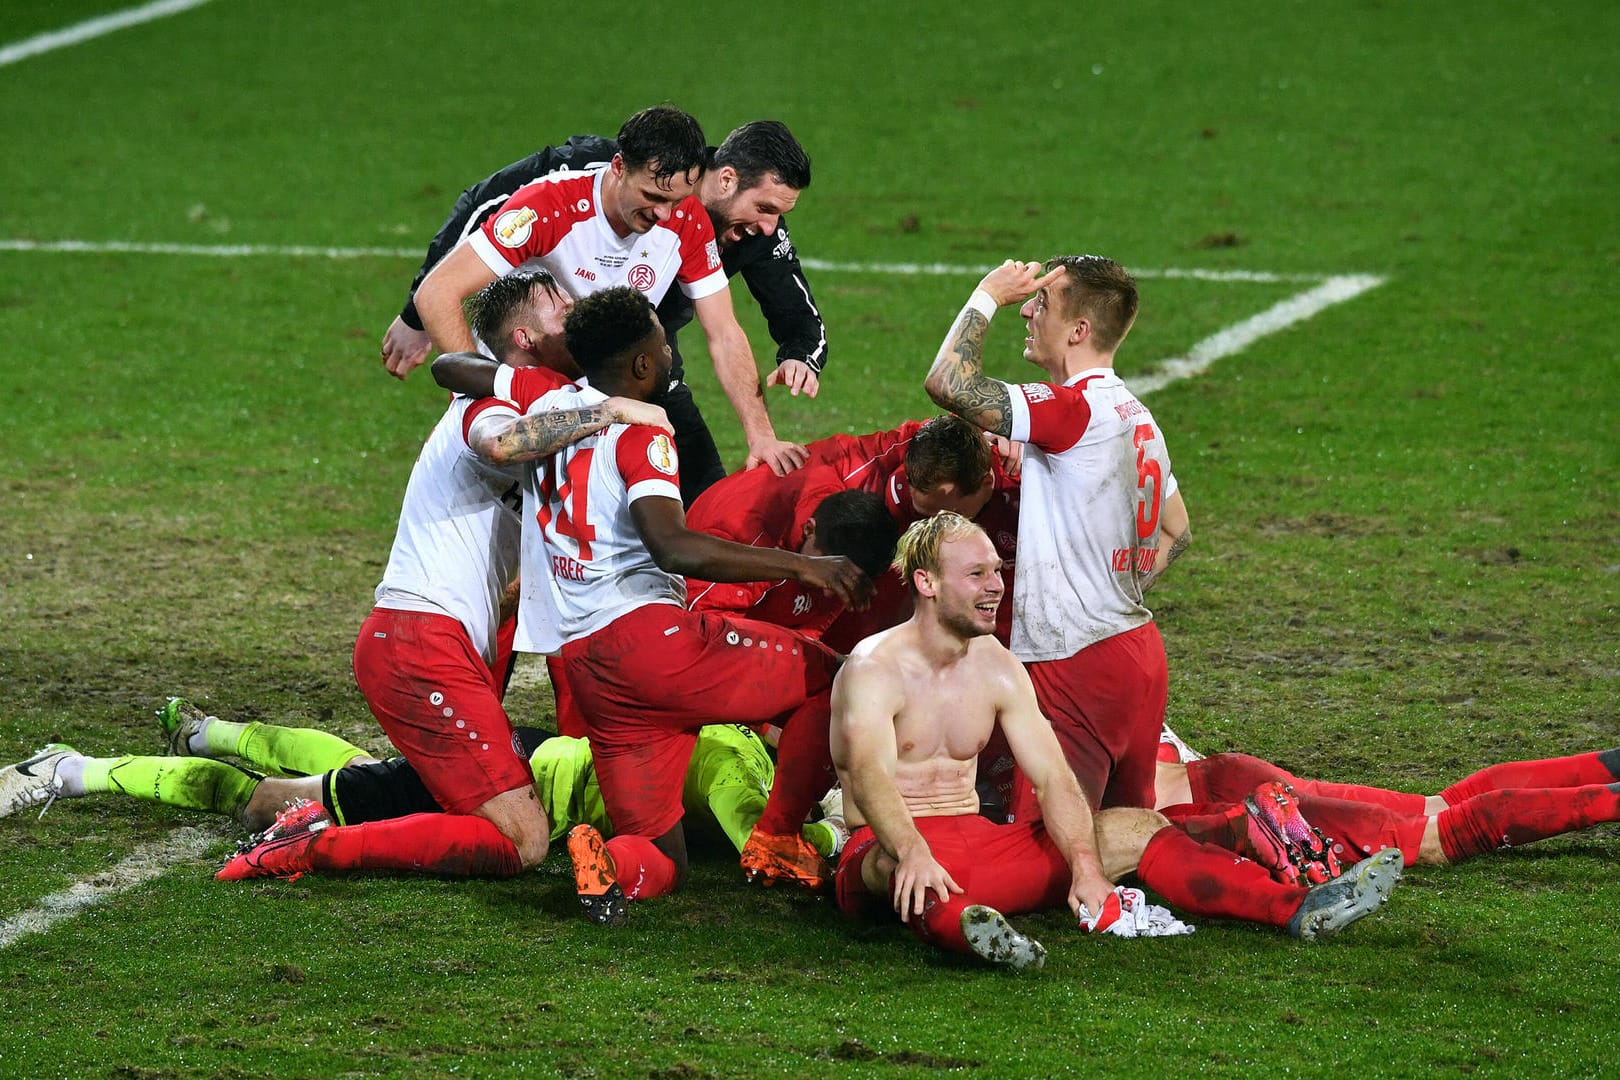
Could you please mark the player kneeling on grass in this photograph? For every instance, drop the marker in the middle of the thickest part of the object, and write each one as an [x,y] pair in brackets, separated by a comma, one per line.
[913,707]
[606,534]
[727,781]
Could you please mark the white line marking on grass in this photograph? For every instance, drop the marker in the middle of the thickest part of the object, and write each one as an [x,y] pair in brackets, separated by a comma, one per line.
[140,866]
[226,251]
[1329,290]
[1239,336]
[953,269]
[93,28]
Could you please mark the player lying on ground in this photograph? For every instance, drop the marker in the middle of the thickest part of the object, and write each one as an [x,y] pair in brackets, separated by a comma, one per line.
[912,708]
[1506,805]
[727,781]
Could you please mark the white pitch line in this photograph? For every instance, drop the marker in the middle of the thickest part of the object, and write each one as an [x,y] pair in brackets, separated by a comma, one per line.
[1329,290]
[141,865]
[227,251]
[1239,336]
[93,28]
[958,269]
[121,247]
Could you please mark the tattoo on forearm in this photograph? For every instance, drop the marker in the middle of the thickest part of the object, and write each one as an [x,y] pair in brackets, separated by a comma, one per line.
[542,434]
[968,392]
[1177,546]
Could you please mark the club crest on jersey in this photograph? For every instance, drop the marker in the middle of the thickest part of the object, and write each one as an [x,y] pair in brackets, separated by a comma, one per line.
[661,455]
[513,227]
[641,277]
[1036,391]
[712,250]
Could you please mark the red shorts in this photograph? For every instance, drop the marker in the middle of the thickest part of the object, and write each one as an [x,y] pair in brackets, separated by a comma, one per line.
[437,701]
[1106,704]
[651,678]
[1012,868]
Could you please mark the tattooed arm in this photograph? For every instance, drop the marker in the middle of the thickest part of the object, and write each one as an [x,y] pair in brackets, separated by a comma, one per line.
[957,381]
[1175,533]
[505,441]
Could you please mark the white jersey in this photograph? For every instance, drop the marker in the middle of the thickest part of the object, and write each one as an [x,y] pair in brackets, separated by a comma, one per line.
[1095,475]
[557,222]
[456,547]
[584,563]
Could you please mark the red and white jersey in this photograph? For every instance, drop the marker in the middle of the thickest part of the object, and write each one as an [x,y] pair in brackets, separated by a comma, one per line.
[1095,475]
[580,544]
[558,223]
[456,547]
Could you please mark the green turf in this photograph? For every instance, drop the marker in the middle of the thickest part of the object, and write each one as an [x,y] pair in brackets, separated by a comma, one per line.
[1406,558]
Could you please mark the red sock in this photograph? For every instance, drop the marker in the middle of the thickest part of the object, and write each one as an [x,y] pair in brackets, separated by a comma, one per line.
[941,923]
[1498,819]
[459,845]
[1231,777]
[804,769]
[1357,829]
[644,872]
[1207,880]
[1565,772]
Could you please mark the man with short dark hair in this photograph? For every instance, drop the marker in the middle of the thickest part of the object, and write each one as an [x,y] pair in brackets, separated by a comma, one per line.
[1100,517]
[423,658]
[606,516]
[752,180]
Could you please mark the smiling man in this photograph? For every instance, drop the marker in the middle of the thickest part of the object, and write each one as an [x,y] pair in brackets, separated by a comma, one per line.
[750,183]
[1101,515]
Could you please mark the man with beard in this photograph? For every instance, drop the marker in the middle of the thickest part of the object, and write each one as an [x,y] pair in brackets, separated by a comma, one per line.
[749,184]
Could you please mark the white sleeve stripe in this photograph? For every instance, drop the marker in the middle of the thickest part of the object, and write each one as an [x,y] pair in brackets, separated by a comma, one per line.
[821,342]
[1020,413]
[486,251]
[660,488]
[706,286]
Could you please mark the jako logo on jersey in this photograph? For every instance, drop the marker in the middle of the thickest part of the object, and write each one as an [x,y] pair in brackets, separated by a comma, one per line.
[712,250]
[661,455]
[580,271]
[1036,391]
[641,276]
[513,227]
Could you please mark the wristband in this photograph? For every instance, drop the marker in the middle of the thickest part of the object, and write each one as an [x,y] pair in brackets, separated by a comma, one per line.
[503,380]
[981,302]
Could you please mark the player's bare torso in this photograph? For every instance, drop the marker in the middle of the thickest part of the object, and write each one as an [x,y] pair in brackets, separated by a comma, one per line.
[946,714]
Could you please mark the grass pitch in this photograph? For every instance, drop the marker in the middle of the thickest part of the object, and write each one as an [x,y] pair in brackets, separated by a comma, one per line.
[1406,558]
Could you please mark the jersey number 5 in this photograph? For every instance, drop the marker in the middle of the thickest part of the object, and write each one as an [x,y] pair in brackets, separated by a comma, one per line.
[1147,510]
[570,501]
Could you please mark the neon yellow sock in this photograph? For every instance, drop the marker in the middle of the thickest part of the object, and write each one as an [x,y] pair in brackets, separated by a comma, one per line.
[189,782]
[284,751]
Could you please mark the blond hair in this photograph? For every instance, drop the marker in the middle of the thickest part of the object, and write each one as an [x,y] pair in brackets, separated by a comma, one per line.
[919,545]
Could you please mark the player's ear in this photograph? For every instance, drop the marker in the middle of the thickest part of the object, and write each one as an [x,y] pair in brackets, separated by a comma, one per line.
[1080,331]
[809,533]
